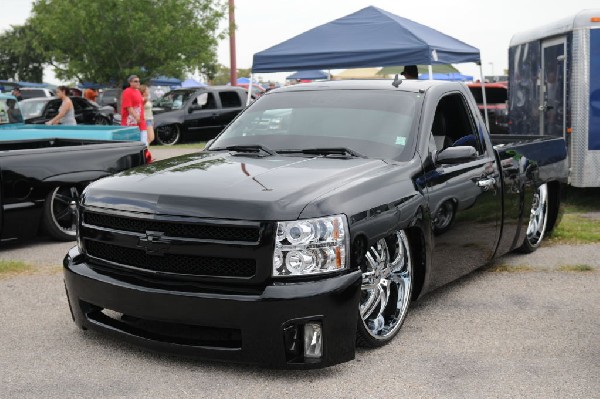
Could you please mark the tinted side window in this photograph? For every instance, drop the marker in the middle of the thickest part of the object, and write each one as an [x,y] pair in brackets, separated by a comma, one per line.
[230,99]
[80,104]
[453,124]
[32,94]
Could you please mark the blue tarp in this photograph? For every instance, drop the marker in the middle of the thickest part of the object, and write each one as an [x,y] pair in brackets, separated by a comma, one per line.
[164,81]
[370,37]
[23,84]
[91,85]
[309,75]
[454,76]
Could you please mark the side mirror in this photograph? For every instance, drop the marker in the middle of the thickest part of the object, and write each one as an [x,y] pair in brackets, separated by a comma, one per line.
[455,155]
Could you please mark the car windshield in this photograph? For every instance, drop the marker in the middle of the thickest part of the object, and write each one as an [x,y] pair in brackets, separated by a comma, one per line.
[32,108]
[374,123]
[174,99]
[9,111]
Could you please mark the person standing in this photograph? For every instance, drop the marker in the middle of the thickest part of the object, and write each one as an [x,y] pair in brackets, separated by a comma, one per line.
[410,72]
[66,112]
[17,93]
[132,107]
[148,112]
[90,94]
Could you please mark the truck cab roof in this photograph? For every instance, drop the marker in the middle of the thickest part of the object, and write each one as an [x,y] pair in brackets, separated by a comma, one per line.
[409,85]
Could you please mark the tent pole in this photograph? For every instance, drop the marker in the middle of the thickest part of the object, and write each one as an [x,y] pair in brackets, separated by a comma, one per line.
[430,69]
[485,111]
[249,96]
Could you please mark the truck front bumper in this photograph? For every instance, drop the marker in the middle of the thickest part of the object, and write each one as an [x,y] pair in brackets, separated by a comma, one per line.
[264,328]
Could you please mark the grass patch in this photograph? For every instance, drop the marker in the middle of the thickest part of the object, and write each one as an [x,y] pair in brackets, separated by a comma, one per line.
[13,266]
[581,200]
[575,229]
[576,268]
[504,268]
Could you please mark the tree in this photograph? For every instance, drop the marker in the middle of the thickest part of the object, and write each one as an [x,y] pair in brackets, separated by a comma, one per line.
[18,58]
[104,41]
[220,74]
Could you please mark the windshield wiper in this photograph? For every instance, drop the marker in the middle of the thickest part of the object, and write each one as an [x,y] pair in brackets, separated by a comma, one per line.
[251,148]
[326,151]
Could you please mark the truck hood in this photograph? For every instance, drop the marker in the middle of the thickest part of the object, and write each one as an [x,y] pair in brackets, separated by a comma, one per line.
[227,186]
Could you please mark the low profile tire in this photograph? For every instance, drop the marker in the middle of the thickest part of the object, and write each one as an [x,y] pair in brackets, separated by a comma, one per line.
[60,218]
[538,219]
[168,134]
[386,290]
[443,217]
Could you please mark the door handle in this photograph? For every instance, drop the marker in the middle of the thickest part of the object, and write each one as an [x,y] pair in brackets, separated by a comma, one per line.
[486,183]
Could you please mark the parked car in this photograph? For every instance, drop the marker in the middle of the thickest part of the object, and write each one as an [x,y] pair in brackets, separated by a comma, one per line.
[41,110]
[257,90]
[35,92]
[496,95]
[111,97]
[307,226]
[198,113]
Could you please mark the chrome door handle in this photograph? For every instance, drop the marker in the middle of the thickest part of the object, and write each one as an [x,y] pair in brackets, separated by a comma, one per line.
[487,183]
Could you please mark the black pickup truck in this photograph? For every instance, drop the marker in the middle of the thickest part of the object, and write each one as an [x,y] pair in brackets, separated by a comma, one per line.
[196,113]
[310,224]
[41,180]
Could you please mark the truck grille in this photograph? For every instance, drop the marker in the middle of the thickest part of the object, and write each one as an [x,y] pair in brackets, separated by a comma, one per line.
[172,263]
[184,230]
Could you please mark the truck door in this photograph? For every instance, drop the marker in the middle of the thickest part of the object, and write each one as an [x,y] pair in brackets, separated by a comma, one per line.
[553,87]
[464,196]
[231,105]
[204,118]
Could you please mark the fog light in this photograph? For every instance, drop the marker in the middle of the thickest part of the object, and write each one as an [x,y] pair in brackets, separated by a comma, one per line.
[313,340]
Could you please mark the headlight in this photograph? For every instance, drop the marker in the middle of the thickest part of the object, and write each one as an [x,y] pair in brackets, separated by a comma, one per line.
[310,246]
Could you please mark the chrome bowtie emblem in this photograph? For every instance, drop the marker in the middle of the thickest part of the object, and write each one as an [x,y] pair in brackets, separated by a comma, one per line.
[154,243]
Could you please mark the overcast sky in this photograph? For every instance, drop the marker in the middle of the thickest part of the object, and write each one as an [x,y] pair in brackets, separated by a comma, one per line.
[483,24]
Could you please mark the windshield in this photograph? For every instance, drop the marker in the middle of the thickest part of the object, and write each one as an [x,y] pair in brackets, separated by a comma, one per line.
[174,99]
[32,108]
[9,111]
[375,123]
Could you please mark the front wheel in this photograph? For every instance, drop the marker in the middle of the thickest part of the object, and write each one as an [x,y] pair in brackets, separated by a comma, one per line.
[101,120]
[168,134]
[60,214]
[538,218]
[386,290]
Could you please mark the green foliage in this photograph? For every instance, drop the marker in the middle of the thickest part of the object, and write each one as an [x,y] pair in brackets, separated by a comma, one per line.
[576,268]
[220,74]
[106,40]
[18,58]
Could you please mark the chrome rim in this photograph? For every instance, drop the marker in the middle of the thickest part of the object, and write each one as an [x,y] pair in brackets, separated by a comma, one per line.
[538,216]
[63,207]
[386,286]
[443,216]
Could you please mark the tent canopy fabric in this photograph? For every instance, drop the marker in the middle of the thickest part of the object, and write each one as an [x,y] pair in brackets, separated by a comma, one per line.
[359,73]
[370,37]
[454,76]
[191,83]
[164,81]
[309,75]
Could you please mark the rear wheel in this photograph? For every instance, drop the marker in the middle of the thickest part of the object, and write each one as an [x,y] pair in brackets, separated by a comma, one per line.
[386,290]
[168,134]
[538,218]
[60,218]
[102,121]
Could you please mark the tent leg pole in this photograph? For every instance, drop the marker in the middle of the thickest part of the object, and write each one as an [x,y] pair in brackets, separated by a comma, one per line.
[430,69]
[249,96]
[485,111]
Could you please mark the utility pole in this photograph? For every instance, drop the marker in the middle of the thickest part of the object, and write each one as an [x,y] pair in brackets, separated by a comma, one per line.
[233,66]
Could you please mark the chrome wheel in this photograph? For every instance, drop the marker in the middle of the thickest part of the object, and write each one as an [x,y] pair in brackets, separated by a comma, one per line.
[386,290]
[60,216]
[443,216]
[538,217]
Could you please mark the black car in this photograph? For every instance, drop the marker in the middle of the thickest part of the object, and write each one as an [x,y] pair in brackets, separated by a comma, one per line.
[111,97]
[40,110]
[198,113]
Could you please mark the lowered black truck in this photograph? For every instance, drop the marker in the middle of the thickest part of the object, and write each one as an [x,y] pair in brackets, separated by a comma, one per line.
[309,224]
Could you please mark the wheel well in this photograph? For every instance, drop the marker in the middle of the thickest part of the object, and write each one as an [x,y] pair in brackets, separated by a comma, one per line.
[416,240]
[556,192]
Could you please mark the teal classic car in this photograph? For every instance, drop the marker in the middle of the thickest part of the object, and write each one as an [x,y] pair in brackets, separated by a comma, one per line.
[13,128]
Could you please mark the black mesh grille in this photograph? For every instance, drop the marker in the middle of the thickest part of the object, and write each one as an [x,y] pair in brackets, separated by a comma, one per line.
[172,263]
[173,229]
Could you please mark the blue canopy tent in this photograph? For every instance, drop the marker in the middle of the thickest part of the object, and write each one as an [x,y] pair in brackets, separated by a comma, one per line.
[453,76]
[309,75]
[91,85]
[370,37]
[191,83]
[164,81]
